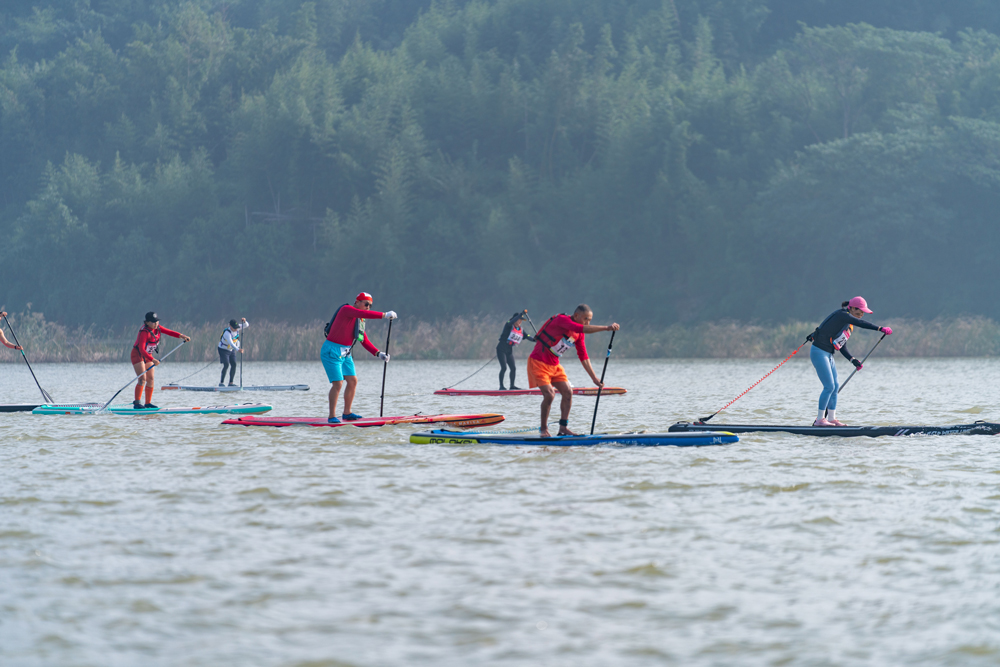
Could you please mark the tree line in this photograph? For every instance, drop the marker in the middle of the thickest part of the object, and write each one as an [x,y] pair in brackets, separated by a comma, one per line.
[664,160]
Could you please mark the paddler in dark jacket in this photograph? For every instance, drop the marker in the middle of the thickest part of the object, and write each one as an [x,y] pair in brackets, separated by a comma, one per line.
[830,336]
[346,328]
[511,335]
[558,335]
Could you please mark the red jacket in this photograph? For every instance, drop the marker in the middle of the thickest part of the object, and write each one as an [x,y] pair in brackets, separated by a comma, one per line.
[342,330]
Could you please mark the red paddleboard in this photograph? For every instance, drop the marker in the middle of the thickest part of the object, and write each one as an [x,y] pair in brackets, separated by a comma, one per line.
[460,421]
[577,391]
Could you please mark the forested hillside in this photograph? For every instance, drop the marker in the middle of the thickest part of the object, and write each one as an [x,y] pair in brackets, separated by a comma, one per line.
[664,160]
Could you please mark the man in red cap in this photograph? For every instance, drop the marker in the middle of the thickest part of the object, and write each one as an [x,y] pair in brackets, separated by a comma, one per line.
[347,327]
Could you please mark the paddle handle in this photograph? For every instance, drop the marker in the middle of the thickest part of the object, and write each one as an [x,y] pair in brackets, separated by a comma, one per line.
[385,367]
[600,387]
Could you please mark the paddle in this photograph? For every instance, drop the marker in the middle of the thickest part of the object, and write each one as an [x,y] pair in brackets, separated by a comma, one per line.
[105,406]
[530,322]
[600,387]
[862,363]
[45,394]
[243,351]
[385,367]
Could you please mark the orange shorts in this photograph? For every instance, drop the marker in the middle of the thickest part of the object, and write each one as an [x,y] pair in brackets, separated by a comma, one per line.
[540,373]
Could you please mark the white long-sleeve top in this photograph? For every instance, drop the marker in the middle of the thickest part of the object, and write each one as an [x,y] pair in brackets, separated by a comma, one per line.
[231,339]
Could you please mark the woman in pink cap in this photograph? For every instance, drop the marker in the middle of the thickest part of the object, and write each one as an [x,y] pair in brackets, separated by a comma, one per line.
[830,336]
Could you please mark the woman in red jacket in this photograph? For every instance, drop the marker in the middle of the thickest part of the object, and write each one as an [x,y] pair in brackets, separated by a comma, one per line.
[142,357]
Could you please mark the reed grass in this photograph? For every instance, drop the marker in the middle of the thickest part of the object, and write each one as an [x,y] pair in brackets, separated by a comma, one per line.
[476,338]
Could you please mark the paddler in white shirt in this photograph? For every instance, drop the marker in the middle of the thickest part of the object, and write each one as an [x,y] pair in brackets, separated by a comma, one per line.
[229,345]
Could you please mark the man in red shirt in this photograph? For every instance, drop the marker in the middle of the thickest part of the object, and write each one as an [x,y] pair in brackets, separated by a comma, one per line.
[554,338]
[346,328]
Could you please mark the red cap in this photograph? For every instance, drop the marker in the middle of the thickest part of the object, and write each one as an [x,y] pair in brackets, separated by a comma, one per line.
[364,296]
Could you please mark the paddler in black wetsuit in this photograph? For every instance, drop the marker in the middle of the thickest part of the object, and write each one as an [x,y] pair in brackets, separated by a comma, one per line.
[830,336]
[511,335]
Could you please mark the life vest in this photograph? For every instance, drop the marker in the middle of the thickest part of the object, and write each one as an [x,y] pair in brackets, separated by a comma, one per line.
[152,340]
[236,337]
[557,346]
[841,340]
[516,336]
[359,329]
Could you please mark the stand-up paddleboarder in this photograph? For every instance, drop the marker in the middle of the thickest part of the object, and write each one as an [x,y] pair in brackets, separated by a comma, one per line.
[511,336]
[229,345]
[347,327]
[559,334]
[146,343]
[830,336]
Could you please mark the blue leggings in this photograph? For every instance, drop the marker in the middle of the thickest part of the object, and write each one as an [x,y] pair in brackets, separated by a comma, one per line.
[826,369]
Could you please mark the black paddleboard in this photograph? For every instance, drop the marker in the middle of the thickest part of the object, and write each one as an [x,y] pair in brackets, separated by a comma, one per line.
[978,428]
[18,407]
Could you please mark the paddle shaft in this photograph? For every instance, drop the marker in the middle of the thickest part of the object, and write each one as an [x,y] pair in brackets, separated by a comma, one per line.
[530,322]
[862,363]
[105,406]
[385,367]
[243,351]
[45,394]
[600,387]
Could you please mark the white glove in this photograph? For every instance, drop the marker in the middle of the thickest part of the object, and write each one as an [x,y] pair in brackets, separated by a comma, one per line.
[389,315]
[383,356]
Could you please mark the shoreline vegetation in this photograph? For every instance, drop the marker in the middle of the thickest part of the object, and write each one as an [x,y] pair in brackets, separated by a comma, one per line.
[475,337]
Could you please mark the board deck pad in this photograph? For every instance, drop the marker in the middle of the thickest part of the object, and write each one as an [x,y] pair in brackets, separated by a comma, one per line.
[577,391]
[127,409]
[459,421]
[637,439]
[254,387]
[978,428]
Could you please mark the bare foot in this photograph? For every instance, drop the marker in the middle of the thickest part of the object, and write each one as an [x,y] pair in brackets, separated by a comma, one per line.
[545,433]
[566,431]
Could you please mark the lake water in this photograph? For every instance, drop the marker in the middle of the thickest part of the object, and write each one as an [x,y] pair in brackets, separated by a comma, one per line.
[179,541]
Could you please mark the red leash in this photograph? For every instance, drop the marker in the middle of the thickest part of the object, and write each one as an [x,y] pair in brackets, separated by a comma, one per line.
[705,419]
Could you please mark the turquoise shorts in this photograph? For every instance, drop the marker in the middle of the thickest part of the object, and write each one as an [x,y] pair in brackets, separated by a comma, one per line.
[335,365]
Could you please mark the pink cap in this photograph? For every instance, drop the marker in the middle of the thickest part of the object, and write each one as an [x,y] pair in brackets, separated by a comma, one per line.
[859,302]
[365,296]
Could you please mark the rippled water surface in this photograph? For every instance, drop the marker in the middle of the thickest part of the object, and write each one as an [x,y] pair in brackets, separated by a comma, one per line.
[175,540]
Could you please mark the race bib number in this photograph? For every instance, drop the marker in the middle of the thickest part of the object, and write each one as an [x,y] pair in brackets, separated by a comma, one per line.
[841,340]
[561,347]
[515,337]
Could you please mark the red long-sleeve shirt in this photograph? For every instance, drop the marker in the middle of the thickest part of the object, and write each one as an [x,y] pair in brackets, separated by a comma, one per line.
[342,329]
[147,340]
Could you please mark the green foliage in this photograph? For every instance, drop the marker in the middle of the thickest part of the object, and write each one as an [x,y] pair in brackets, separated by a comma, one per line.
[666,160]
